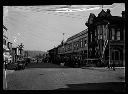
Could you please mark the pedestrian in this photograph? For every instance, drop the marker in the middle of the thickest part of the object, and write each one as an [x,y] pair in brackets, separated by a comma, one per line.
[113,66]
[108,65]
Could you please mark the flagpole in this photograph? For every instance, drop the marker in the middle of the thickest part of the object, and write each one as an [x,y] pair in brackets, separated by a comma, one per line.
[63,36]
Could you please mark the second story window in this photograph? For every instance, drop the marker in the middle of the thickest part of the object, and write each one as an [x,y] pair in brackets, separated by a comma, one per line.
[118,35]
[85,42]
[113,33]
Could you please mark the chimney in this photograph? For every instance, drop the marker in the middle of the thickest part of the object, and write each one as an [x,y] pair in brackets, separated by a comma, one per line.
[108,11]
[123,14]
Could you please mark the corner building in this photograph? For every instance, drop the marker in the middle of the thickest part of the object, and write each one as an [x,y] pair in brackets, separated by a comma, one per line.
[106,37]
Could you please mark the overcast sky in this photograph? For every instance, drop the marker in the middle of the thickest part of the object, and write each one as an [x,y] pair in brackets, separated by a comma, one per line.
[43,30]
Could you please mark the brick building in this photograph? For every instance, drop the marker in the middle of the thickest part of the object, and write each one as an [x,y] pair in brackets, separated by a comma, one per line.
[106,37]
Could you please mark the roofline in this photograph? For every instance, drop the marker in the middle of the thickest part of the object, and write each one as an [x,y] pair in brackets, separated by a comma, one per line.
[76,35]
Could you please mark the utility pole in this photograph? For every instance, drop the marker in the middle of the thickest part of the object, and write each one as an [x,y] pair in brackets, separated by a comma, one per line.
[109,46]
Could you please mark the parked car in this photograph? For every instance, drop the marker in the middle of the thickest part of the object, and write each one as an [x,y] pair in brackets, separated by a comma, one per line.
[20,64]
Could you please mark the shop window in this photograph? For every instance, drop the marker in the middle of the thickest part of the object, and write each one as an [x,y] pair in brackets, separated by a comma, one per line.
[117,55]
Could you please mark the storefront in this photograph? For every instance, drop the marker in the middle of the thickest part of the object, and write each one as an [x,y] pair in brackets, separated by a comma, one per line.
[107,32]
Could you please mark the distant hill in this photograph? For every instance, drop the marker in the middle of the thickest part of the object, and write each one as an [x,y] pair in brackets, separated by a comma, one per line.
[33,53]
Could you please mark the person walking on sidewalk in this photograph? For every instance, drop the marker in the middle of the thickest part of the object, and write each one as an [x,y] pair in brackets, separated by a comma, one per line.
[108,65]
[113,65]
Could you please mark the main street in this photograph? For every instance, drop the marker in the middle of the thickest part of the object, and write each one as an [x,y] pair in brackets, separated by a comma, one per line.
[54,77]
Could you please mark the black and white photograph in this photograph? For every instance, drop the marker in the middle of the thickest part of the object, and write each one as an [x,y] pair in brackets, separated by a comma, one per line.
[64,47]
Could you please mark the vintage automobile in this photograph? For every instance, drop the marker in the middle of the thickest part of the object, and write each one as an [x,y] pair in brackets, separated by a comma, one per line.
[20,64]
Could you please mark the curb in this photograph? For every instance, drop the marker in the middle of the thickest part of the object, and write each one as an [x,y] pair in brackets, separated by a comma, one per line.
[105,68]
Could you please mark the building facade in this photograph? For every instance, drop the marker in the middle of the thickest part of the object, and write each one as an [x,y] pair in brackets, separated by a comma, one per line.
[6,54]
[7,47]
[76,46]
[15,54]
[101,44]
[73,49]
[106,37]
[52,54]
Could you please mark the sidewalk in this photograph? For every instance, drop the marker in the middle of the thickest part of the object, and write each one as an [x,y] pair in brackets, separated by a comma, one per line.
[105,68]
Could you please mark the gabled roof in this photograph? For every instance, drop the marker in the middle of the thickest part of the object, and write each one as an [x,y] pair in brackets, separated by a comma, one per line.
[102,14]
[105,14]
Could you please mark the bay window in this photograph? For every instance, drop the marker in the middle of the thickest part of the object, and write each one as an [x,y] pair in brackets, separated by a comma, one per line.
[113,34]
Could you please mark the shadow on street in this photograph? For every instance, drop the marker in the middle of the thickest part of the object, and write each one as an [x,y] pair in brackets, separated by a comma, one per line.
[44,65]
[107,86]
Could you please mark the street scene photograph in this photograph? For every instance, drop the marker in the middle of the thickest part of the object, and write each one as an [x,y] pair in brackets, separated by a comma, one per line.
[64,47]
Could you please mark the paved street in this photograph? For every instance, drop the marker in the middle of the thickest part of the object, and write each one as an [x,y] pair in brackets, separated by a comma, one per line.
[37,78]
